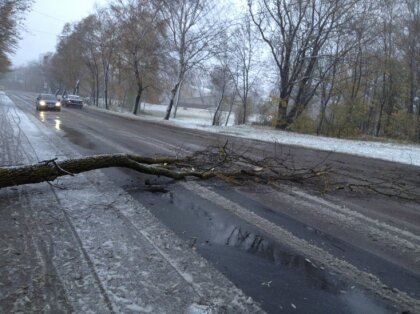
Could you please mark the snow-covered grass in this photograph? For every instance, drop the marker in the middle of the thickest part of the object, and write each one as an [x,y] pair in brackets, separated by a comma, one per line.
[184,115]
[201,119]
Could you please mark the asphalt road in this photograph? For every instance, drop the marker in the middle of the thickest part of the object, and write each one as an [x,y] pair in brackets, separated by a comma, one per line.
[292,247]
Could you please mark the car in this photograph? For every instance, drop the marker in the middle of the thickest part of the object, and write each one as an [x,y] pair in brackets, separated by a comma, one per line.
[47,102]
[74,101]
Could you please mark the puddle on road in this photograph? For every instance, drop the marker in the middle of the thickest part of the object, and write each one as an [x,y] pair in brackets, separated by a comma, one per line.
[57,124]
[274,275]
[49,117]
[42,116]
[76,137]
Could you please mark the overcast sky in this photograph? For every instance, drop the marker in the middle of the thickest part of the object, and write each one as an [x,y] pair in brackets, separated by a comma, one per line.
[45,22]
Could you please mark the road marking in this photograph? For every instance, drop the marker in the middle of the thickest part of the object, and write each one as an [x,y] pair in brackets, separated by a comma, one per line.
[351,219]
[307,249]
[353,214]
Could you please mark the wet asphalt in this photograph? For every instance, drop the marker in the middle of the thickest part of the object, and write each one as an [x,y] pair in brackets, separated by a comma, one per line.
[274,275]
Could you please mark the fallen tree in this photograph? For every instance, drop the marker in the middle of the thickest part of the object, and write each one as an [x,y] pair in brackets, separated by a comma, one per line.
[231,164]
[49,170]
[214,162]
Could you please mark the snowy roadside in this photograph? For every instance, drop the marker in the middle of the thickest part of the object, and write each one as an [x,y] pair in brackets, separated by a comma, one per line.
[98,249]
[199,119]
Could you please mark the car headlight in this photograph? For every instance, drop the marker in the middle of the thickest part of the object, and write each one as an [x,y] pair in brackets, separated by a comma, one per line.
[42,103]
[57,104]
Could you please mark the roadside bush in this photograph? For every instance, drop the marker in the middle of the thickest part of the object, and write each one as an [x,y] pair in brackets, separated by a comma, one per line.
[267,113]
[304,124]
[345,124]
[403,126]
[238,110]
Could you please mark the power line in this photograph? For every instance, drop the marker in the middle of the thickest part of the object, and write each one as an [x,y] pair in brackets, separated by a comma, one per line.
[49,16]
[31,32]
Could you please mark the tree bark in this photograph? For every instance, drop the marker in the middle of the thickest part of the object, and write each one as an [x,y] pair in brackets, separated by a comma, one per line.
[281,122]
[171,102]
[137,101]
[216,117]
[51,169]
[106,87]
[177,99]
[140,88]
[221,162]
[230,108]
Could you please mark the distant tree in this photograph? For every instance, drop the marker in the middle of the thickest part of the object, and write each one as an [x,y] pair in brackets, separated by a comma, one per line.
[68,63]
[106,42]
[139,32]
[410,41]
[11,16]
[296,33]
[220,79]
[191,36]
[244,60]
[88,42]
[91,55]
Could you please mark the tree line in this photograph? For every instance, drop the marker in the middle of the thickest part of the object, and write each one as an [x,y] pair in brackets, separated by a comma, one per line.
[11,17]
[345,68]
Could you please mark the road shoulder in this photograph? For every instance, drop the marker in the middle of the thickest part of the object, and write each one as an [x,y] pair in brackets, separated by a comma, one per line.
[105,250]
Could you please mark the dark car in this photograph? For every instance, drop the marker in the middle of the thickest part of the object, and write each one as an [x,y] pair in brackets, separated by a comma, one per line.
[72,101]
[47,102]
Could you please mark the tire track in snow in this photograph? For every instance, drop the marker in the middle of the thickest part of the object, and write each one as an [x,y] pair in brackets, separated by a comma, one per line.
[203,288]
[394,237]
[20,116]
[365,279]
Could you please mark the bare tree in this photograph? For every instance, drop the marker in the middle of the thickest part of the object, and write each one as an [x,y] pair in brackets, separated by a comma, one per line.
[410,40]
[139,41]
[296,33]
[244,59]
[220,78]
[191,35]
[90,54]
[11,14]
[67,64]
[328,81]
[106,46]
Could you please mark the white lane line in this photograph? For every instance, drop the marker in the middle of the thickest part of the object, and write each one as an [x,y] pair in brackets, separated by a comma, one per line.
[315,253]
[351,219]
[347,211]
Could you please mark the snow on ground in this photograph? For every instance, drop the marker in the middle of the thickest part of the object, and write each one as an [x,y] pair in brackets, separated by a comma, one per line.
[185,115]
[104,250]
[201,119]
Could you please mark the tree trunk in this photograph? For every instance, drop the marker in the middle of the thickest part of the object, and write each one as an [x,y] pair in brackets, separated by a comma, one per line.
[138,97]
[106,98]
[50,170]
[324,103]
[281,122]
[418,124]
[218,159]
[219,105]
[244,105]
[139,86]
[177,99]
[97,90]
[171,102]
[106,89]
[230,109]
[378,126]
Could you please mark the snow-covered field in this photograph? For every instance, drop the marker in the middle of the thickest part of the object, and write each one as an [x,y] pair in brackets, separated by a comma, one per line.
[185,116]
[201,119]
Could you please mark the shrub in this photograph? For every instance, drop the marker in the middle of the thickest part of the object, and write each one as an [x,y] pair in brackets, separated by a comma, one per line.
[304,124]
